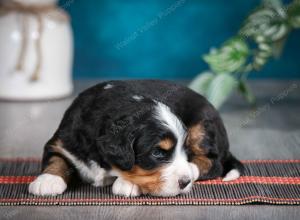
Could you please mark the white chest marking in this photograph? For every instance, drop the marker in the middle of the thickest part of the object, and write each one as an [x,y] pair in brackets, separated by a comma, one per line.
[90,172]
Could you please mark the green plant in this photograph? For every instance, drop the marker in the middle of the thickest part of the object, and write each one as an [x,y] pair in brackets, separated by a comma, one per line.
[267,28]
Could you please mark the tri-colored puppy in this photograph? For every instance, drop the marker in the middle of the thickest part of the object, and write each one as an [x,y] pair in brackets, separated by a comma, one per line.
[141,136]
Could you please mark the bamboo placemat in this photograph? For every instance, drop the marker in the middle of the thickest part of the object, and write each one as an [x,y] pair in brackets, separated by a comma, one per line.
[265,181]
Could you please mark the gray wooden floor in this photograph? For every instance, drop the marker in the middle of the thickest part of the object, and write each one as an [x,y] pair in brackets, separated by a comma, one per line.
[271,130]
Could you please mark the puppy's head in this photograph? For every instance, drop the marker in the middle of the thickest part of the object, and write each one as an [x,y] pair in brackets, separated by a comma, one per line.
[150,152]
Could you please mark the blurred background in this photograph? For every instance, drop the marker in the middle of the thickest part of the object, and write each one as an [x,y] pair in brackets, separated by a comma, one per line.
[162,39]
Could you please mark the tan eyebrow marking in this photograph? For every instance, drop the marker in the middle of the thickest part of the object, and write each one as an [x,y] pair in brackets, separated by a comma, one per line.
[166,143]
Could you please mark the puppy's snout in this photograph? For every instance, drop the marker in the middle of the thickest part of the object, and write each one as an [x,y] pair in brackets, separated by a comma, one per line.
[183,182]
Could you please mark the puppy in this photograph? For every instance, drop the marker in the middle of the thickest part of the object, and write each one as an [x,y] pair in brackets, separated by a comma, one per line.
[142,136]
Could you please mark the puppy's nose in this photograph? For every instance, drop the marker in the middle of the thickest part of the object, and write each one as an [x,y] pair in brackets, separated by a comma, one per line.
[183,182]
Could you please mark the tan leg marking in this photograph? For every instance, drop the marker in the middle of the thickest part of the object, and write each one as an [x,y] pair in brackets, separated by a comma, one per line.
[57,165]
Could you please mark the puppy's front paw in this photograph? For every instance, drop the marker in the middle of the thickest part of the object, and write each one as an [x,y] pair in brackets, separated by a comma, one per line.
[47,184]
[125,188]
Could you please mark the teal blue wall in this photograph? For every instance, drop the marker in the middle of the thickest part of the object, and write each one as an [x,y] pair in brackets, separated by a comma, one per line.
[125,39]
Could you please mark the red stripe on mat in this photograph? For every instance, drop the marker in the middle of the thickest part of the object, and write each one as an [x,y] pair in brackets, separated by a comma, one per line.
[254,179]
[133,200]
[241,180]
[16,179]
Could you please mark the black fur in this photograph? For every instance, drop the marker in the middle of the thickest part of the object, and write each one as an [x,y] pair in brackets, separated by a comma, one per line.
[113,129]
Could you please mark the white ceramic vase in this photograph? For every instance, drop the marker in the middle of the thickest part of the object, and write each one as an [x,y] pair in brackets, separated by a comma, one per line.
[36,51]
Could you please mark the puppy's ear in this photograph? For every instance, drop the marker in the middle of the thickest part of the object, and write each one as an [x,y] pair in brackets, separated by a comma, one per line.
[117,150]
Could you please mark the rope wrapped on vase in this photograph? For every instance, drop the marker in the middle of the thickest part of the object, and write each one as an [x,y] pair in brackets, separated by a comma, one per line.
[10,6]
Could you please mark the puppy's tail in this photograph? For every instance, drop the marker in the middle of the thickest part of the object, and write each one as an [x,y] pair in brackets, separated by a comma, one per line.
[233,168]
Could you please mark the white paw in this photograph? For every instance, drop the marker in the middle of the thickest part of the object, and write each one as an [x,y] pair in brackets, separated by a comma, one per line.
[47,184]
[195,171]
[125,188]
[231,175]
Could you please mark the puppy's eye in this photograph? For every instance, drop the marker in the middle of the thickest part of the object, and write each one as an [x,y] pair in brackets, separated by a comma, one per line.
[158,153]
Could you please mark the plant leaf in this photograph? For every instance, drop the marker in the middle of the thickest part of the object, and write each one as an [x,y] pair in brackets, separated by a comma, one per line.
[277,47]
[201,83]
[273,3]
[220,89]
[269,21]
[294,14]
[246,92]
[230,57]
